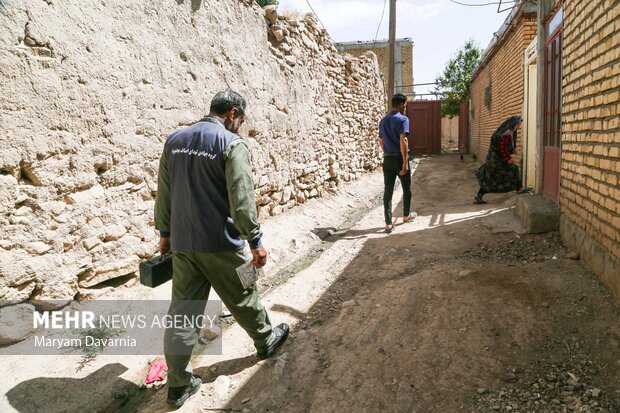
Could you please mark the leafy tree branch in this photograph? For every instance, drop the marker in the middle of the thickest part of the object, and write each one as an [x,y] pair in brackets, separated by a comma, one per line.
[454,83]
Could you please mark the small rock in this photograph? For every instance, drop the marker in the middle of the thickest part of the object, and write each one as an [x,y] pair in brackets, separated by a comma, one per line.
[349,303]
[244,401]
[90,243]
[22,211]
[545,304]
[280,364]
[481,390]
[596,392]
[16,323]
[213,369]
[221,385]
[114,232]
[271,14]
[211,332]
[572,255]
[37,247]
[464,273]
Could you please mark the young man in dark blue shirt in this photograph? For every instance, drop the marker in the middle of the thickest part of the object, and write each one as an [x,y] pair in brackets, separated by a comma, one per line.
[393,134]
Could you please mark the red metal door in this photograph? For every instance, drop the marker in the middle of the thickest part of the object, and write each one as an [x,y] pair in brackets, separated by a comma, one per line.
[463,127]
[552,127]
[424,126]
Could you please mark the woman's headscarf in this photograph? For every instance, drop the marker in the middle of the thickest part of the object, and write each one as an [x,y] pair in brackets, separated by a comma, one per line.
[507,125]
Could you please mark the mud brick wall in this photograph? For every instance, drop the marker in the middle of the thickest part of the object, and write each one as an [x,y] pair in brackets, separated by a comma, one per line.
[590,166]
[497,85]
[90,90]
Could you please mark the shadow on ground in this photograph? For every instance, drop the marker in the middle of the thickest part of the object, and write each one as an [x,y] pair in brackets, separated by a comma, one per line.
[448,319]
[65,394]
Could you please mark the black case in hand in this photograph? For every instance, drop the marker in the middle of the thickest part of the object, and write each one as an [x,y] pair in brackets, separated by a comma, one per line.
[156,271]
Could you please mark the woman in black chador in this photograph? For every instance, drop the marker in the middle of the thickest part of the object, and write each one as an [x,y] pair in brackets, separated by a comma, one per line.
[500,172]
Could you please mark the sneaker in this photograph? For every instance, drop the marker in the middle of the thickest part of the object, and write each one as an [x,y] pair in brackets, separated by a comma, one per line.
[179,395]
[281,332]
[410,217]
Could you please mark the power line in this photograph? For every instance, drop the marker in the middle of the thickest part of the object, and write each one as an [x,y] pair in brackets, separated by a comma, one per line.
[480,4]
[380,21]
[317,16]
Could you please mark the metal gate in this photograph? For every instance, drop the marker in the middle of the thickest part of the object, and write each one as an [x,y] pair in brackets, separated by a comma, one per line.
[552,137]
[424,127]
[463,128]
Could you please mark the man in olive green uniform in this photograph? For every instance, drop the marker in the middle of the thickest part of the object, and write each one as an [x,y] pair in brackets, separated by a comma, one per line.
[206,211]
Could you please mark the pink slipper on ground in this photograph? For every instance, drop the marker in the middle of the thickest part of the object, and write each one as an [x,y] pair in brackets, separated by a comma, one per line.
[158,372]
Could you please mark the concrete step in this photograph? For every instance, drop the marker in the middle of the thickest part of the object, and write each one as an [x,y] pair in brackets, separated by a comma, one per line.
[537,214]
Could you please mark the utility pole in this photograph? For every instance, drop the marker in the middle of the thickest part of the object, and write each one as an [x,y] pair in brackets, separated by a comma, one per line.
[392,53]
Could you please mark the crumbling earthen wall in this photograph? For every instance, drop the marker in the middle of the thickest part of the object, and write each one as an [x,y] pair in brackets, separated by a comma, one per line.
[90,90]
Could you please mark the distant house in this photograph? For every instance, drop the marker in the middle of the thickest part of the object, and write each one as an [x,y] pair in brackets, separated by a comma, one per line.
[565,82]
[403,60]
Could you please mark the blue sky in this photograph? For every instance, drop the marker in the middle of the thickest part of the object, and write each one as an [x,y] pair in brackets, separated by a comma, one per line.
[438,27]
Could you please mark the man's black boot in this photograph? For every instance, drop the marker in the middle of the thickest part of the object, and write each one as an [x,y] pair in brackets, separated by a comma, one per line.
[178,395]
[281,332]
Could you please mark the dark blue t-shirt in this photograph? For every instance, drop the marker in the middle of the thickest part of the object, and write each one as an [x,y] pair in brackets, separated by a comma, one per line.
[390,129]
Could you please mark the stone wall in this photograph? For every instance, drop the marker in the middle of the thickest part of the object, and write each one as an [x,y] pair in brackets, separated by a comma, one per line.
[403,75]
[590,165]
[90,90]
[497,85]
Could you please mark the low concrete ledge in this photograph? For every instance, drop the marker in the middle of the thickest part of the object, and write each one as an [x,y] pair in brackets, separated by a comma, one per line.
[537,214]
[602,263]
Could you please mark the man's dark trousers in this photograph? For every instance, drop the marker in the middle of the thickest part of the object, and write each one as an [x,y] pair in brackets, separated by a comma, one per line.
[392,165]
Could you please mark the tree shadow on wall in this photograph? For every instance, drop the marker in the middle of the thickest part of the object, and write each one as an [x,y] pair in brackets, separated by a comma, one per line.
[196,4]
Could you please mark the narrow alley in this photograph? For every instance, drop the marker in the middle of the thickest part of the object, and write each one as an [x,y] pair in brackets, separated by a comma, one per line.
[453,312]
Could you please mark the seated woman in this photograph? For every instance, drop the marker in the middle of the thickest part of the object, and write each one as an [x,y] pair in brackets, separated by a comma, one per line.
[500,173]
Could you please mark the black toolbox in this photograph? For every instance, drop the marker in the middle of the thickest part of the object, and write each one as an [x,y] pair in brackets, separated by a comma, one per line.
[156,271]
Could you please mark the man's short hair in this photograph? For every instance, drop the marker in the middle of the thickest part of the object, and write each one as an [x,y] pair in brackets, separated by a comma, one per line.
[398,99]
[224,102]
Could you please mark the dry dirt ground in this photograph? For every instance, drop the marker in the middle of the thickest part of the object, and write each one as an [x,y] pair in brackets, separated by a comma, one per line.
[452,313]
[451,318]
[455,312]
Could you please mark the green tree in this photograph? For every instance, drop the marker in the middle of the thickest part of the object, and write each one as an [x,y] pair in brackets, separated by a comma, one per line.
[453,84]
[264,3]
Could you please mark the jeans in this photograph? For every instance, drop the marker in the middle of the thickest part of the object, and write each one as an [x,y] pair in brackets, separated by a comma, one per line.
[392,165]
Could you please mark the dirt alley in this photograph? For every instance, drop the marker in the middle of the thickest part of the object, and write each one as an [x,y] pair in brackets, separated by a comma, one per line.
[452,313]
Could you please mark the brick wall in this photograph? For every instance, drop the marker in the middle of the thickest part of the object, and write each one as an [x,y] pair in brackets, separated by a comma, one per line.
[590,167]
[501,78]
[407,52]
